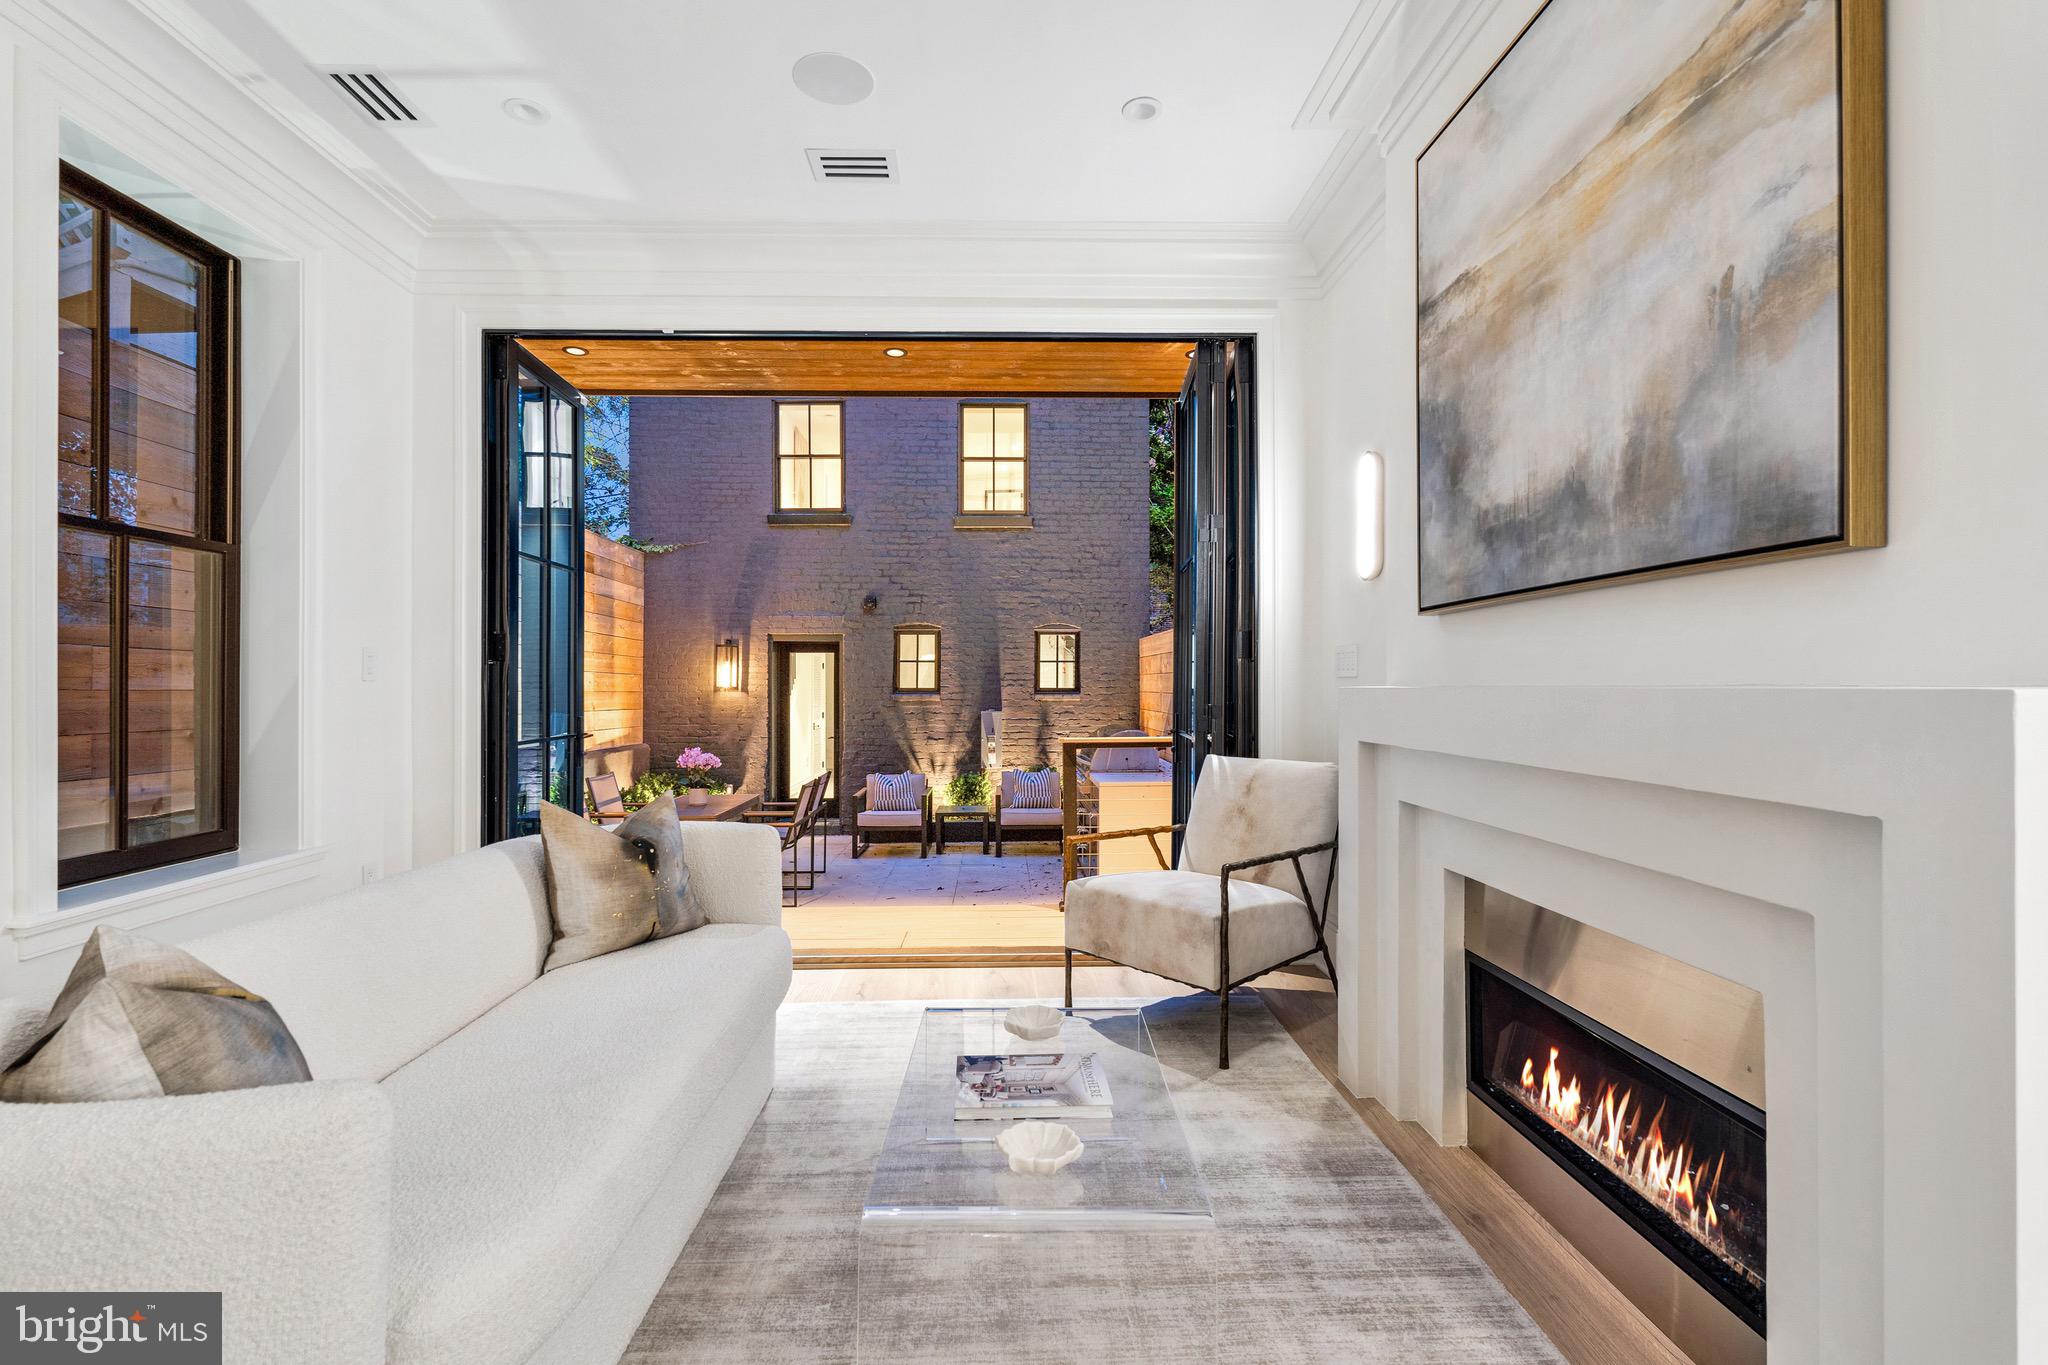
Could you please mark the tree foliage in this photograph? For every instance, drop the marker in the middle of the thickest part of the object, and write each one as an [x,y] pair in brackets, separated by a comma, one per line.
[608,471]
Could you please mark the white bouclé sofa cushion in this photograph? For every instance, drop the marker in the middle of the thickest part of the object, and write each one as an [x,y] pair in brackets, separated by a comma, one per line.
[371,979]
[525,1145]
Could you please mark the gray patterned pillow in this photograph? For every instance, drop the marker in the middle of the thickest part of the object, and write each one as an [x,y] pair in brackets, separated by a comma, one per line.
[1036,791]
[138,1019]
[611,889]
[896,791]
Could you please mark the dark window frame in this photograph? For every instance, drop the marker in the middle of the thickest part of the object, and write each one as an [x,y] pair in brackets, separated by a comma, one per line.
[800,515]
[217,532]
[1039,661]
[897,661]
[961,508]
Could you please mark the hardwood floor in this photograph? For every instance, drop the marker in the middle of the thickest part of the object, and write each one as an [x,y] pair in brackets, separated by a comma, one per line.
[1584,1316]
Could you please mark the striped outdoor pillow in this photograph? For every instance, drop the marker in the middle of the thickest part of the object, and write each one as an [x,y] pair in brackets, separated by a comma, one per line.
[1035,791]
[897,791]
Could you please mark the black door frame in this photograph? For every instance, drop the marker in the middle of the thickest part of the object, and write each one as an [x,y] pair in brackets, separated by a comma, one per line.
[779,681]
[504,359]
[1221,658]
[1215,612]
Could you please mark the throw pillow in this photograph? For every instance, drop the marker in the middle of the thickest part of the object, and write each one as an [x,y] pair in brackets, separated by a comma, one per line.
[611,889]
[895,791]
[1036,791]
[138,1019]
[657,825]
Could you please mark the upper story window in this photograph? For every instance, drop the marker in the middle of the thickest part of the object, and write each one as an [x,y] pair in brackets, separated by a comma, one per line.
[147,571]
[810,458]
[917,659]
[1059,660]
[994,459]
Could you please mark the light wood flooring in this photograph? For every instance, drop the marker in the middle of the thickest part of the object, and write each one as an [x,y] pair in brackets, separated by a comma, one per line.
[960,907]
[1584,1316]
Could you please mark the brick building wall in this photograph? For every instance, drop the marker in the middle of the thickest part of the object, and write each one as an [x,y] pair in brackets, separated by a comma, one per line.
[701,479]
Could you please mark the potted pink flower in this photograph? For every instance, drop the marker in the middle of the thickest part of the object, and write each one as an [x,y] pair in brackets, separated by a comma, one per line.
[698,767]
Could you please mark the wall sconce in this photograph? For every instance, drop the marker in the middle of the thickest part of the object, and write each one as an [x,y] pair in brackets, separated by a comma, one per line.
[1369,490]
[725,672]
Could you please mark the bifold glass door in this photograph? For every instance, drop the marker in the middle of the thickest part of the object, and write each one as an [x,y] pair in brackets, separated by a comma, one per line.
[1215,666]
[533,571]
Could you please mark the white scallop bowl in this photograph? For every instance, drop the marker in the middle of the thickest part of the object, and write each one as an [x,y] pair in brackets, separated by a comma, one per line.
[1034,1022]
[1036,1148]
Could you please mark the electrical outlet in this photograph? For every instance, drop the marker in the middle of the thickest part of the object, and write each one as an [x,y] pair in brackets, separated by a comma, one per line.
[1347,661]
[371,872]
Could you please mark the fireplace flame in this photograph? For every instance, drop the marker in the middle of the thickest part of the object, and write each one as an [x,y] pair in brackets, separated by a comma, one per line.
[1677,1179]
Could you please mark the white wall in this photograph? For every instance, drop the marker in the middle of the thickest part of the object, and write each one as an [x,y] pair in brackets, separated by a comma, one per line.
[1955,598]
[327,454]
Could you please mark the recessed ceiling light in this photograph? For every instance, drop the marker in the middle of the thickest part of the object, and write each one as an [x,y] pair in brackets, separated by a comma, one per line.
[896,351]
[524,111]
[1143,109]
[1191,355]
[832,79]
[575,350]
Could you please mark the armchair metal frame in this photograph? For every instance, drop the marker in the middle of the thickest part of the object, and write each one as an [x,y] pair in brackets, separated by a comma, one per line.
[795,821]
[1318,918]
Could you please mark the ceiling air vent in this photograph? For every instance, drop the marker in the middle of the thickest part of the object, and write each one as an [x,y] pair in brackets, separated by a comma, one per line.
[829,165]
[373,96]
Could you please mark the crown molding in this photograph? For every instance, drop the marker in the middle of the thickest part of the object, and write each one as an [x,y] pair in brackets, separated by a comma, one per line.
[923,259]
[1381,74]
[205,132]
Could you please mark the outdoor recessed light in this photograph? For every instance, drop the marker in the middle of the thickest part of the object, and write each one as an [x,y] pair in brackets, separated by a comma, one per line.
[1143,109]
[575,350]
[524,111]
[832,79]
[896,351]
[1191,353]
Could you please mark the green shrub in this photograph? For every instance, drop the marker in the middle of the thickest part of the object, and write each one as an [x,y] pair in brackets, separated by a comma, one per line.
[968,788]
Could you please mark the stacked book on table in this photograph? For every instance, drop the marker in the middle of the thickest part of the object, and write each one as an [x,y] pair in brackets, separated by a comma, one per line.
[1031,1085]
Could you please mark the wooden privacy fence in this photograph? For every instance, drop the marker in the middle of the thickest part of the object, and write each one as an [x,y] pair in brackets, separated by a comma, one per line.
[1155,682]
[614,642]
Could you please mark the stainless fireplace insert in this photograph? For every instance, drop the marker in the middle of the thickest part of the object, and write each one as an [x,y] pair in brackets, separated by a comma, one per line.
[1621,1092]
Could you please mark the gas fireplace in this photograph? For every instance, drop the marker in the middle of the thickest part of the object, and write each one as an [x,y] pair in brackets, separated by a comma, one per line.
[1678,1158]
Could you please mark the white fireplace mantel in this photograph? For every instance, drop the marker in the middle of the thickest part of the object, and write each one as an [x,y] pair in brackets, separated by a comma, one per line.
[1871,859]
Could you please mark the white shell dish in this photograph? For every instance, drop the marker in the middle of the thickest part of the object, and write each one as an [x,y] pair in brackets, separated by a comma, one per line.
[1036,1148]
[1034,1022]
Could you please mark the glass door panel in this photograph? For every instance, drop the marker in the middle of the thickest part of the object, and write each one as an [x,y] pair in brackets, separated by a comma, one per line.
[533,642]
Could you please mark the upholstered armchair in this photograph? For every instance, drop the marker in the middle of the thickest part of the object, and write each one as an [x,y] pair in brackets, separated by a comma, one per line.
[879,819]
[1023,816]
[1243,900]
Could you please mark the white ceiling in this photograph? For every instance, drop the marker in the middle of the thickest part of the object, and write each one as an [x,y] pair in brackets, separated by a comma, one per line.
[683,111]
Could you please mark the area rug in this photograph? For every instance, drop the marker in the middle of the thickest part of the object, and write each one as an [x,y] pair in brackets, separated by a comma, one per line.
[1326,1248]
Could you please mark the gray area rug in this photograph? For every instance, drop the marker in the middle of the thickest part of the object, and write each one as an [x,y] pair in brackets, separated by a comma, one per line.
[1325,1247]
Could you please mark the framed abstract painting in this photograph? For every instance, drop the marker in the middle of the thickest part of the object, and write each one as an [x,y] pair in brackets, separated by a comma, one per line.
[1650,298]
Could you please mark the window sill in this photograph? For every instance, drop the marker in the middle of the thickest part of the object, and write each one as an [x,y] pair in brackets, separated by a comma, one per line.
[918,696]
[143,898]
[993,521]
[830,519]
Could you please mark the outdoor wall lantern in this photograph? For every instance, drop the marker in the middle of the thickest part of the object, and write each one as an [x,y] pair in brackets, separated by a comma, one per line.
[726,667]
[1369,488]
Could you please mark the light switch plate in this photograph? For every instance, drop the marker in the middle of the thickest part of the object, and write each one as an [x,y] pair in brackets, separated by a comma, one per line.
[1347,661]
[369,665]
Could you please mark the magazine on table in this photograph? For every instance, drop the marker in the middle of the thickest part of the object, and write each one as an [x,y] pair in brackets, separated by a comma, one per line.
[1031,1085]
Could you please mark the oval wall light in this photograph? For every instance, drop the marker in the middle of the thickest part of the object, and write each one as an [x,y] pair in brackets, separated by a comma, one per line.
[1369,490]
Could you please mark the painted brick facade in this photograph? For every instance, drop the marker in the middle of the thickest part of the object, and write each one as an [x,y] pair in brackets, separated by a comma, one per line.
[701,478]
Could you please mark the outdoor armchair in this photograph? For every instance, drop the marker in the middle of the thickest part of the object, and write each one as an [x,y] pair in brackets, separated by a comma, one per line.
[1241,903]
[607,802]
[1023,818]
[871,826]
[794,822]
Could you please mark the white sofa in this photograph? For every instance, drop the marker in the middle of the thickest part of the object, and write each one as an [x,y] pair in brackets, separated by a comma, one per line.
[490,1165]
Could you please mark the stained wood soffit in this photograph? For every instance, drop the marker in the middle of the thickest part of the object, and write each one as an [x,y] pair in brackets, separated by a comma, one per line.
[828,367]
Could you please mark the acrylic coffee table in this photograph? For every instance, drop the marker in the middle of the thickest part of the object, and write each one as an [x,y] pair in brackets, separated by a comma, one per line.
[1119,1243]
